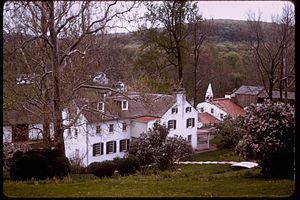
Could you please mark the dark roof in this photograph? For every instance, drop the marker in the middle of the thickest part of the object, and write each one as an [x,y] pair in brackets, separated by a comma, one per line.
[250,90]
[276,95]
[139,105]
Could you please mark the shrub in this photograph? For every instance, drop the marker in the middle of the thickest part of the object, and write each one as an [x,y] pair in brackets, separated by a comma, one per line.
[30,166]
[102,169]
[230,132]
[155,147]
[269,138]
[127,166]
[39,164]
[61,167]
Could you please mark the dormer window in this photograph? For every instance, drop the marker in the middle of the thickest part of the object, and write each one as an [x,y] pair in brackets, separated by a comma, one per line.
[174,110]
[124,105]
[100,107]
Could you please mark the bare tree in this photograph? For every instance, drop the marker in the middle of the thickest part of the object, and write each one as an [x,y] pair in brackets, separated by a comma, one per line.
[271,42]
[199,30]
[62,28]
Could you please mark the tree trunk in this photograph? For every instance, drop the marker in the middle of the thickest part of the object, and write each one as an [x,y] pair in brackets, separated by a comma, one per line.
[57,114]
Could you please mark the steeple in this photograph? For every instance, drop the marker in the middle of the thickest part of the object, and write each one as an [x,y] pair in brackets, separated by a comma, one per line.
[209,94]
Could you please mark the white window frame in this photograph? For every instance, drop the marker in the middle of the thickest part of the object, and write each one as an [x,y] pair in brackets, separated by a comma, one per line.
[100,108]
[172,124]
[189,138]
[189,122]
[109,129]
[111,144]
[98,129]
[126,105]
[174,110]
[99,149]
[188,109]
[124,142]
[124,126]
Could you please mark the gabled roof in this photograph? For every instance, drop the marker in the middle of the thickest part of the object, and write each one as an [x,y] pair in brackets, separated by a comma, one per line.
[206,118]
[250,90]
[139,105]
[229,107]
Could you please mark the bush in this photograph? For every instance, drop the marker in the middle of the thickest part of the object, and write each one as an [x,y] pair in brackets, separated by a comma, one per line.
[30,166]
[61,167]
[39,164]
[127,166]
[155,147]
[269,138]
[230,132]
[102,169]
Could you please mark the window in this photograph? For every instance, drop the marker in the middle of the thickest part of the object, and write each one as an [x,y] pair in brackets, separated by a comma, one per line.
[124,127]
[98,149]
[190,122]
[202,109]
[111,128]
[77,153]
[124,145]
[100,107]
[212,111]
[189,138]
[172,124]
[111,147]
[188,109]
[98,129]
[76,132]
[124,105]
[69,132]
[221,115]
[174,110]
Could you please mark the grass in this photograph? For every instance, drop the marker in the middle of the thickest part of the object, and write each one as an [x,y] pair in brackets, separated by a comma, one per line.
[192,181]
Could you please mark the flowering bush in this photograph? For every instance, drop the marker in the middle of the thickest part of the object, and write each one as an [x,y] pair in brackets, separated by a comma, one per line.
[269,138]
[155,147]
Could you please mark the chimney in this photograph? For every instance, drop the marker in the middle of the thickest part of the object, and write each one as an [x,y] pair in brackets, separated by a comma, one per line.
[180,95]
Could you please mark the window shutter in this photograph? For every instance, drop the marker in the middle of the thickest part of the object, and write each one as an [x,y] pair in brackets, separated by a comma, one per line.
[193,122]
[128,142]
[120,146]
[169,122]
[94,149]
[115,146]
[101,146]
[174,124]
[107,147]
[187,123]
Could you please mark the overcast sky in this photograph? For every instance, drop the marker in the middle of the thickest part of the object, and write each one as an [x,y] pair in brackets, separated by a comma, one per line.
[236,10]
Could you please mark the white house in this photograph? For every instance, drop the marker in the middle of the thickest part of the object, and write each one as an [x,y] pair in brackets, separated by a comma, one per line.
[219,107]
[106,123]
[181,118]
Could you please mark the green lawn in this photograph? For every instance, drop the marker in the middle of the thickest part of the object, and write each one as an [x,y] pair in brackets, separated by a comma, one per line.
[193,181]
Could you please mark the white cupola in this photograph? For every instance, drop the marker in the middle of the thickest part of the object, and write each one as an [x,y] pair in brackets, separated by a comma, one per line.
[209,94]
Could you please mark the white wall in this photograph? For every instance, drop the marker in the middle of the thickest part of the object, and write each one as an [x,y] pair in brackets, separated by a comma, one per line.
[181,120]
[207,106]
[138,127]
[7,134]
[87,136]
